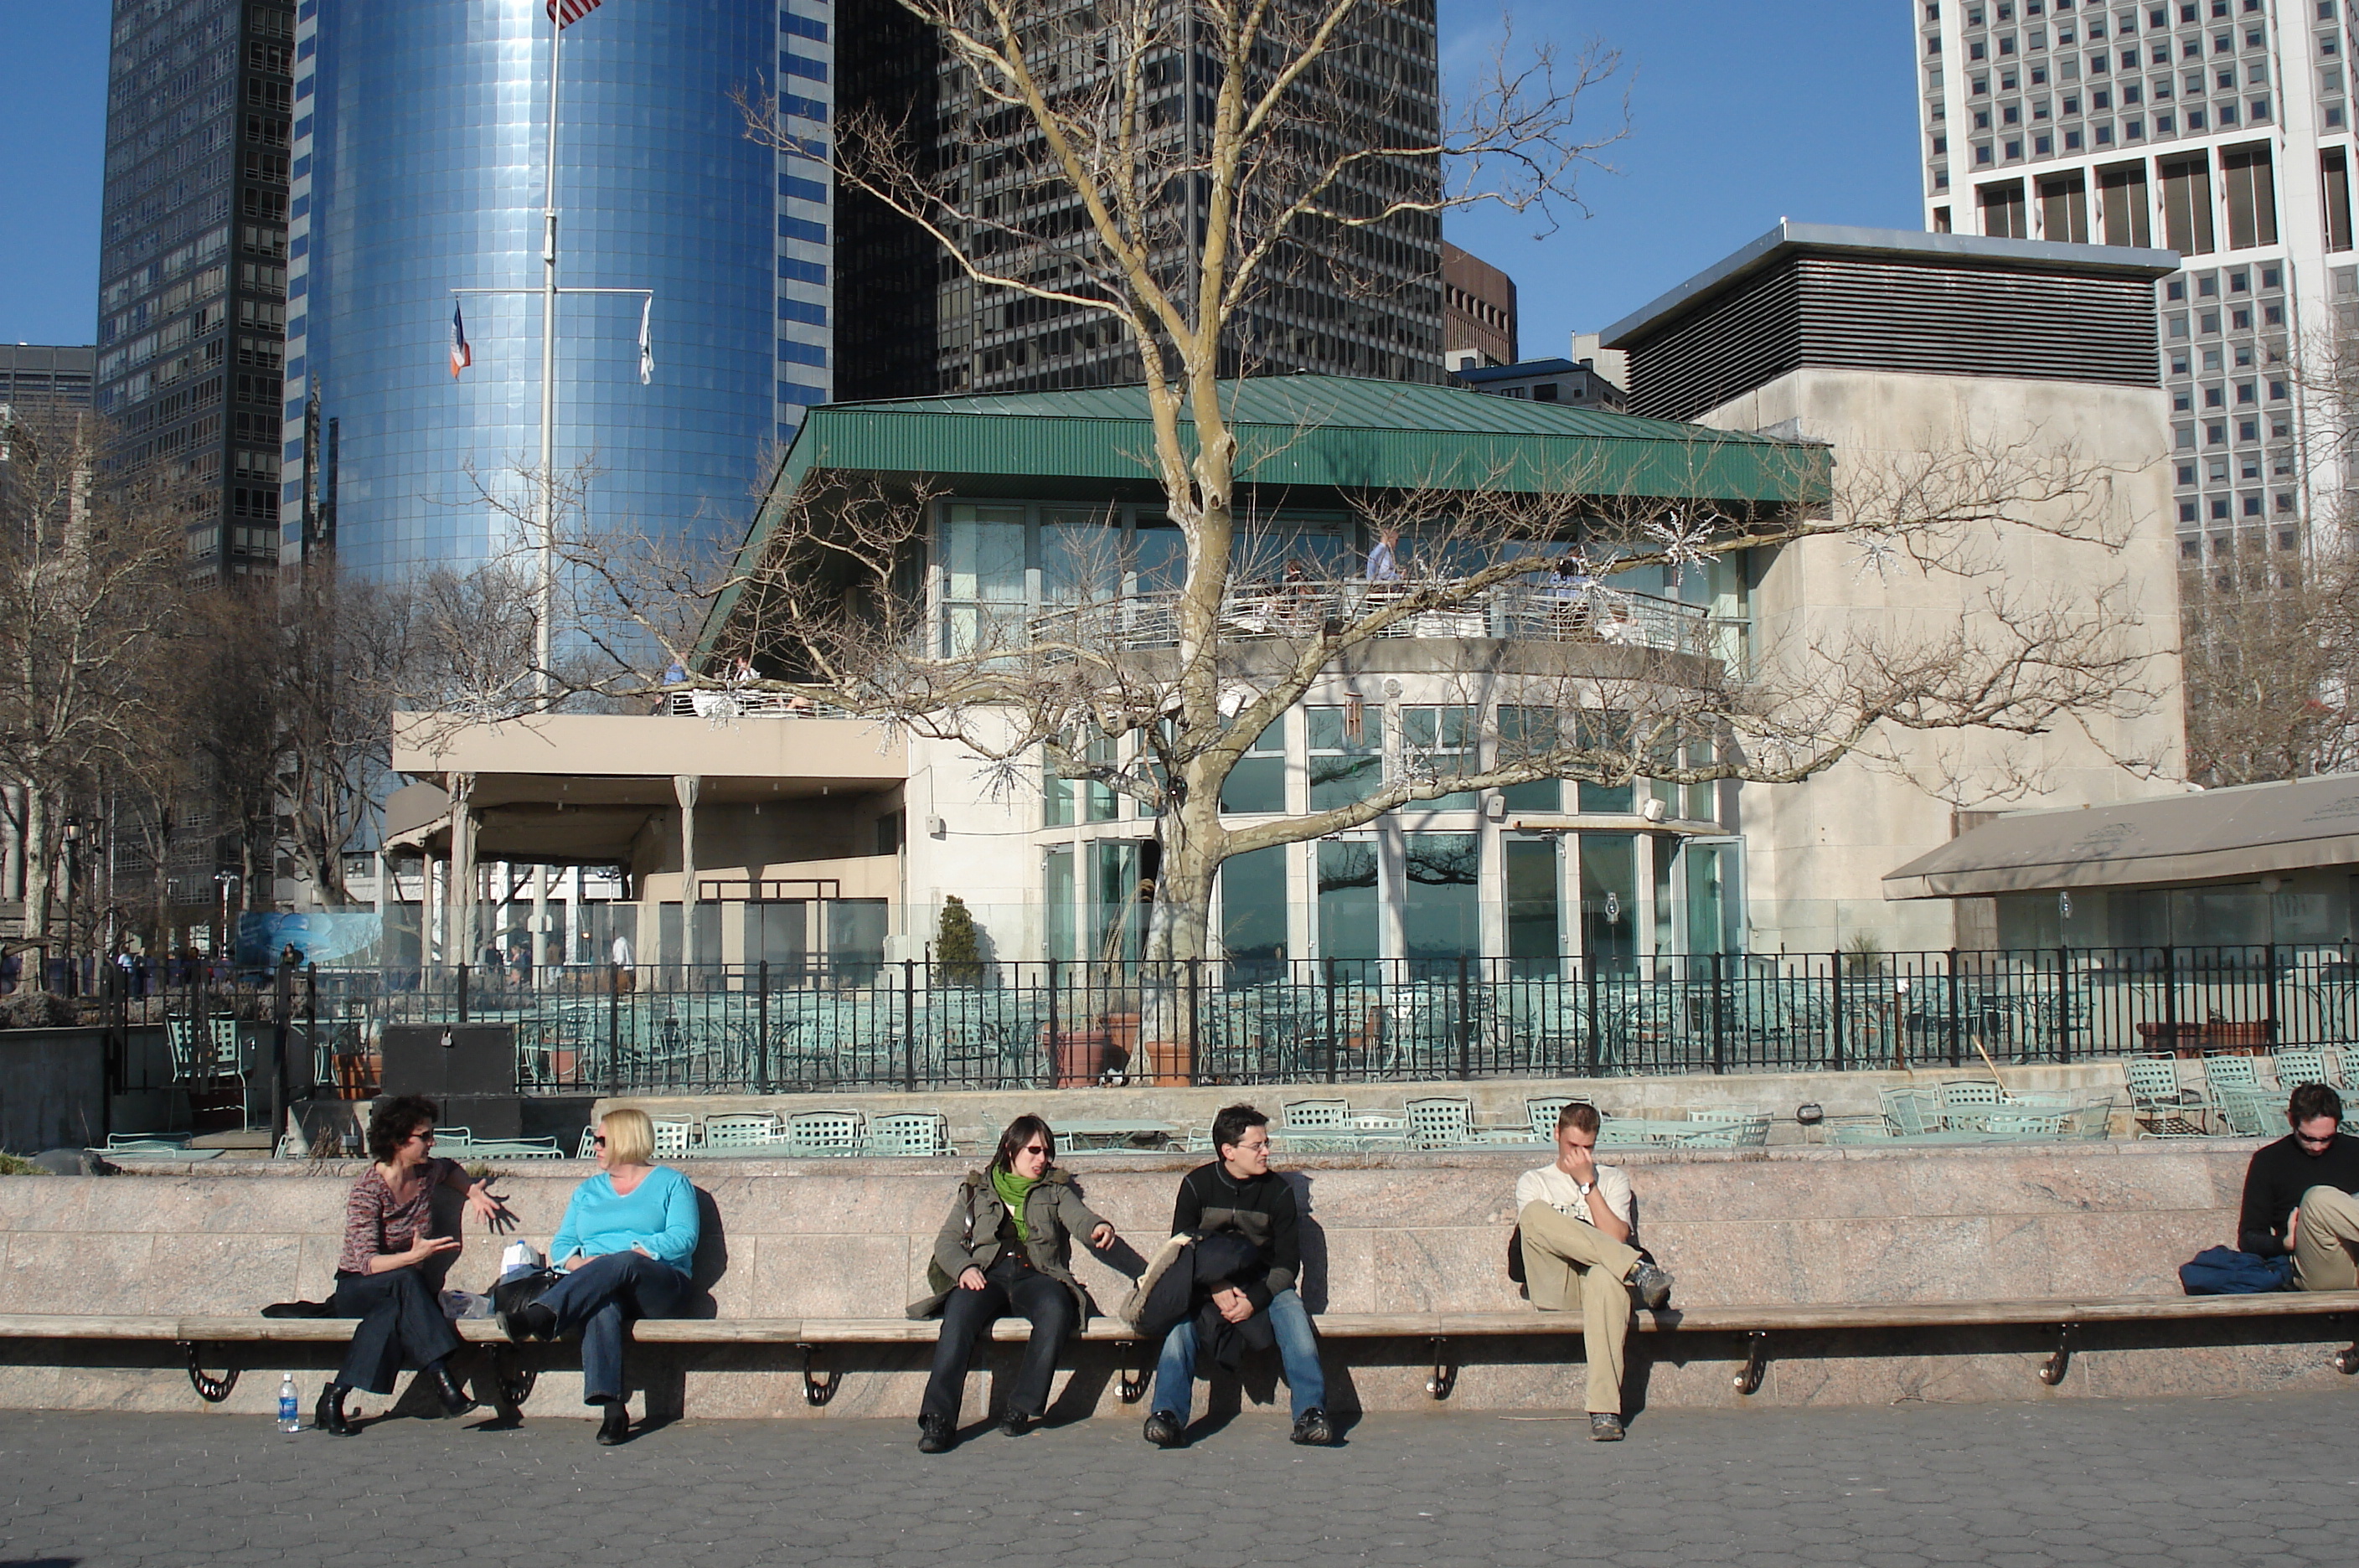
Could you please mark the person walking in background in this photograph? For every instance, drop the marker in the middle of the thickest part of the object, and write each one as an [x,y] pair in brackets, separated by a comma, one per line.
[1007,1247]
[391,1272]
[627,1246]
[1578,1220]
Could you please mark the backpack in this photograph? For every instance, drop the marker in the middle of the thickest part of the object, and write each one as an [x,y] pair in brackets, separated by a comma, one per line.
[2224,1271]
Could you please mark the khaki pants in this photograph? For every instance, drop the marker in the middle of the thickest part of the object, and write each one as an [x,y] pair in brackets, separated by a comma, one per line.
[1569,1263]
[2323,1240]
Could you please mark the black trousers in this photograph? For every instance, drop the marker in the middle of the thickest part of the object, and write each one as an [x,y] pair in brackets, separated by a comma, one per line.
[1009,1288]
[401,1325]
[601,1300]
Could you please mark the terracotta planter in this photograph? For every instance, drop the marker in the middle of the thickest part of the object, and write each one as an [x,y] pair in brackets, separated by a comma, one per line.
[1164,1065]
[1080,1058]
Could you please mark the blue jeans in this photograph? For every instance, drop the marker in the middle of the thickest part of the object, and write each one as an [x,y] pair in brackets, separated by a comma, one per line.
[601,1300]
[1298,1353]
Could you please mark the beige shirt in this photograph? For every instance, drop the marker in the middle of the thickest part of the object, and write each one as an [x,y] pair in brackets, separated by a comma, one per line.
[1551,1186]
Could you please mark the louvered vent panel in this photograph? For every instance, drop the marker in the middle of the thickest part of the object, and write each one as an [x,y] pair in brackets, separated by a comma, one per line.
[1862,313]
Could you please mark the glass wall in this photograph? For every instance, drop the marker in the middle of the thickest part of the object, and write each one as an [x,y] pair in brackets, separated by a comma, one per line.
[1347,901]
[418,168]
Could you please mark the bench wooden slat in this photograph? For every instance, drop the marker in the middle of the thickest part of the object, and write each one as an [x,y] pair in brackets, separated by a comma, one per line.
[1515,1322]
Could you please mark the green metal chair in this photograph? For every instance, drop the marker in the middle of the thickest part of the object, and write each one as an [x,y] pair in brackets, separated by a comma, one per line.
[1318,1126]
[673,1133]
[916,1135]
[2300,1065]
[824,1134]
[1542,1113]
[1966,1105]
[742,1130]
[1910,1112]
[2159,1104]
[2250,1110]
[1441,1121]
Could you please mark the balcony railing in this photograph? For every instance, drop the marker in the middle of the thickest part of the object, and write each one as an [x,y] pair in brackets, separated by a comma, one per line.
[1584,611]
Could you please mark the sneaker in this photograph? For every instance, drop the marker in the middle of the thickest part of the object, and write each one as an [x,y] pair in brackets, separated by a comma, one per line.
[1652,1285]
[933,1434]
[1314,1429]
[1605,1426]
[1166,1430]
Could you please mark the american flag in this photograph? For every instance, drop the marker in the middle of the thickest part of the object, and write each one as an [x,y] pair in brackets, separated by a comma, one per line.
[565,13]
[462,355]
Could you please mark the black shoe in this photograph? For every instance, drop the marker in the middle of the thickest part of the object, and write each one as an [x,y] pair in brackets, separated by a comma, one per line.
[934,1434]
[616,1426]
[1166,1430]
[533,1320]
[1605,1426]
[1015,1423]
[1652,1286]
[456,1401]
[1314,1429]
[329,1416]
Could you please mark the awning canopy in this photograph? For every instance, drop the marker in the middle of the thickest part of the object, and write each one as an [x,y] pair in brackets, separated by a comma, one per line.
[2214,836]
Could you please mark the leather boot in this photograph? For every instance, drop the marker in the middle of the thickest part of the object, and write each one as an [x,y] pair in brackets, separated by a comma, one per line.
[329,1414]
[615,1426]
[456,1401]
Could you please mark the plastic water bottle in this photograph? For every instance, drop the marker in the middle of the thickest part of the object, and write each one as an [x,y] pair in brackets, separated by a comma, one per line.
[290,1405]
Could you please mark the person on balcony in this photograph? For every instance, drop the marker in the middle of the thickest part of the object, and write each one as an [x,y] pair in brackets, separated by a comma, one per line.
[1579,1251]
[1006,1248]
[2298,1194]
[1248,1307]
[391,1272]
[1383,556]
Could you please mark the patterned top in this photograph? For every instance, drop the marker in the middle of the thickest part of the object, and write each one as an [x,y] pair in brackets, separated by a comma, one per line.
[375,1225]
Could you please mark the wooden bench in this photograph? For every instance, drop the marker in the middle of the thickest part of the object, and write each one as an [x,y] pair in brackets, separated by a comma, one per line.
[811,1336]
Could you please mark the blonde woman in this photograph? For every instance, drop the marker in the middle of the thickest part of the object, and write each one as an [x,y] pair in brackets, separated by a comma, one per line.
[627,1244]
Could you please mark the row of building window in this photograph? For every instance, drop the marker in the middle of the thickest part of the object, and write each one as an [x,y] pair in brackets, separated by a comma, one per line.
[2126,204]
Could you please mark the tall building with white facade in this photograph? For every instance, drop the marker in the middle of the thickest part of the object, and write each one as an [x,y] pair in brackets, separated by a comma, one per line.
[2220,129]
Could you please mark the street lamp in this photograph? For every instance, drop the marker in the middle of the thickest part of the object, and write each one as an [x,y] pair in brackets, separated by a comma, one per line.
[224,880]
[73,867]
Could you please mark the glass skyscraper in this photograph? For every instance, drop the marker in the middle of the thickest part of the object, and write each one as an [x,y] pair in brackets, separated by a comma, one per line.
[192,262]
[418,164]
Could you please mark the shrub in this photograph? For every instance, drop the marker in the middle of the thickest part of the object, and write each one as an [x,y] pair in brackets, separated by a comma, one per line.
[957,952]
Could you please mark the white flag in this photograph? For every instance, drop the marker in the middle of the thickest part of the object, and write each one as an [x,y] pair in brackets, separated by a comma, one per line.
[647,350]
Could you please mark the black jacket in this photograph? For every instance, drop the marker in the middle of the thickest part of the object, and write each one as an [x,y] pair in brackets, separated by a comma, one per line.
[1261,1209]
[2276,1179]
[1178,1286]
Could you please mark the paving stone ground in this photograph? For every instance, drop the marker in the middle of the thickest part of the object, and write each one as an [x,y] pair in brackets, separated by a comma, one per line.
[2254,1481]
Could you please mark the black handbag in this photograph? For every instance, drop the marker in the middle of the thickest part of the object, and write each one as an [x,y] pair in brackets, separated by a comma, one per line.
[513,1293]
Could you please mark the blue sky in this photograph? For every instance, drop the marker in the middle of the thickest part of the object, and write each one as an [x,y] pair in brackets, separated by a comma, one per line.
[1741,112]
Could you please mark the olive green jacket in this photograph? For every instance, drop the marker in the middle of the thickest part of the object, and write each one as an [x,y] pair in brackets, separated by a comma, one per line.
[1053,1214]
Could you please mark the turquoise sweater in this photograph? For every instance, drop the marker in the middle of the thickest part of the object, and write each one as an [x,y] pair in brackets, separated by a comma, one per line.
[659,1214]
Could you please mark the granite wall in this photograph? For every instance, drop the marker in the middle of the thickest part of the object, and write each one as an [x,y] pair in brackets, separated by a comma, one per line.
[1396,1233]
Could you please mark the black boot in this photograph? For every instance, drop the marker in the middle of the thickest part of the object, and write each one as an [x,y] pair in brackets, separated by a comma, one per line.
[329,1414]
[934,1436]
[616,1427]
[449,1390]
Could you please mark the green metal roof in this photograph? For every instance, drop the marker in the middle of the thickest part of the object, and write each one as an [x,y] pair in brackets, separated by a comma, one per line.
[1304,431]
[1333,430]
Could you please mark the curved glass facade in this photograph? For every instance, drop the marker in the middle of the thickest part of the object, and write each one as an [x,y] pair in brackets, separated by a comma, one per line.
[419,158]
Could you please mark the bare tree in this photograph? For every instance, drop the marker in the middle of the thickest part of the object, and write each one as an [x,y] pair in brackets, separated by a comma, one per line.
[2271,650]
[90,620]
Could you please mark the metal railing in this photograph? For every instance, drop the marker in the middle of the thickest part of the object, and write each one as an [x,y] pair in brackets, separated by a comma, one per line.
[1590,612]
[822,1026]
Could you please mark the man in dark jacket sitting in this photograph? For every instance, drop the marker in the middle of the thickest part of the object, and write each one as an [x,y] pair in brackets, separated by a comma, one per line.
[1236,1193]
[2298,1194]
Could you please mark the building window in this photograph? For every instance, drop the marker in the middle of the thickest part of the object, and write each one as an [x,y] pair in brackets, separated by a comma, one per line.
[2122,198]
[2064,208]
[2334,197]
[2186,514]
[2251,183]
[2187,205]
[2004,213]
[1347,747]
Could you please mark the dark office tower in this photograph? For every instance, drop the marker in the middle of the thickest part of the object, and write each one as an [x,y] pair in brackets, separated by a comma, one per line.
[34,377]
[193,261]
[1341,298]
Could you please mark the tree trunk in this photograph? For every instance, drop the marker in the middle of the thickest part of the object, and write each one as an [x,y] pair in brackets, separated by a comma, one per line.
[37,864]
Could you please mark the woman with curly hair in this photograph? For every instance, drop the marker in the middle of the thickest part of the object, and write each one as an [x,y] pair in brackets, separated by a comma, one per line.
[391,1272]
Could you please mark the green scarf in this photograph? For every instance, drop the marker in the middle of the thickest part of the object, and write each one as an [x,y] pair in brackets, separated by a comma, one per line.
[1012,1190]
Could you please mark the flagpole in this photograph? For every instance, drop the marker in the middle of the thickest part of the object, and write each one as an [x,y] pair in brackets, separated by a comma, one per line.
[547,588]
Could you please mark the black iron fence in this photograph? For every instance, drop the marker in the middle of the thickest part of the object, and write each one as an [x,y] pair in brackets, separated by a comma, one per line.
[767,1027]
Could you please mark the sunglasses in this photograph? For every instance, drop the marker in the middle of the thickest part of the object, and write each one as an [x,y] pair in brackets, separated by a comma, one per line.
[1033,1148]
[599,1142]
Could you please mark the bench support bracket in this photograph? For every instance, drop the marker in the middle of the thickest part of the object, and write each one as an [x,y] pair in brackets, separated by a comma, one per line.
[2052,1373]
[1133,1386]
[1445,1376]
[213,1390]
[819,1387]
[1756,1352]
[513,1380]
[2347,1361]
